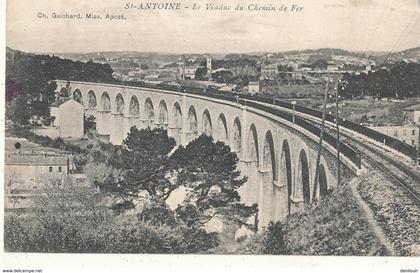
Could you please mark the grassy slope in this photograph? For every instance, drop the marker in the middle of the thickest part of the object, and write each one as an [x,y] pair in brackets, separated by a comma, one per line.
[337,226]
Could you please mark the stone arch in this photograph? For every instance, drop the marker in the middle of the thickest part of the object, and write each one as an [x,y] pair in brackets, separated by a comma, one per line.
[192,121]
[92,103]
[77,96]
[269,156]
[177,116]
[237,136]
[119,104]
[207,126]
[221,128]
[322,180]
[302,184]
[149,112]
[286,172]
[105,102]
[163,113]
[134,108]
[253,154]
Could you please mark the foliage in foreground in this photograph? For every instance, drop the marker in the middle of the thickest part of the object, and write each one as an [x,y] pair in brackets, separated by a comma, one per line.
[73,220]
[23,235]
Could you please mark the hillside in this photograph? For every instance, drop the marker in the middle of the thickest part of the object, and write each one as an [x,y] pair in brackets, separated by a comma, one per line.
[21,66]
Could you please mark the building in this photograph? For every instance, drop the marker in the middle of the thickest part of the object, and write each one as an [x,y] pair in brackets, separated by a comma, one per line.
[27,164]
[294,66]
[254,88]
[269,72]
[68,118]
[412,114]
[27,170]
[406,133]
[224,87]
[30,167]
[189,72]
[332,67]
[297,76]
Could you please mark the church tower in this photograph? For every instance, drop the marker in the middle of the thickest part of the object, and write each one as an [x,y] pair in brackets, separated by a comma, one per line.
[209,63]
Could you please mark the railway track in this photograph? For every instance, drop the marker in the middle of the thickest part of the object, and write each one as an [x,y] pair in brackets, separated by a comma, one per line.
[374,156]
[390,188]
[398,173]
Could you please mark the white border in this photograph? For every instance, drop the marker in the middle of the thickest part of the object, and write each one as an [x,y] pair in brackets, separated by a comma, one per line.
[178,263]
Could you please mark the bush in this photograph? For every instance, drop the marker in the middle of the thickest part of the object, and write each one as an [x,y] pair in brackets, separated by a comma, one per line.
[46,141]
[74,220]
[274,241]
[89,123]
[157,213]
[51,234]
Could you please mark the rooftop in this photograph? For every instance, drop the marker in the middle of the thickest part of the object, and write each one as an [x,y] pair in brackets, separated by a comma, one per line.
[270,66]
[37,159]
[413,108]
[220,70]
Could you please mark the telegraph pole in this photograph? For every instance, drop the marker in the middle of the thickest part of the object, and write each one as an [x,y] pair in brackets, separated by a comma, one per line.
[321,137]
[338,134]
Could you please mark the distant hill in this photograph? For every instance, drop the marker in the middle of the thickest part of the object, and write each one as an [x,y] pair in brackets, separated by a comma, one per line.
[21,65]
[412,53]
[323,51]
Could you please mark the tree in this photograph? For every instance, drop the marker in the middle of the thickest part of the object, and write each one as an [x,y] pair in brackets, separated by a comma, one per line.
[90,123]
[65,92]
[144,66]
[320,64]
[13,89]
[208,168]
[20,110]
[96,172]
[50,91]
[200,73]
[222,76]
[399,80]
[144,162]
[40,108]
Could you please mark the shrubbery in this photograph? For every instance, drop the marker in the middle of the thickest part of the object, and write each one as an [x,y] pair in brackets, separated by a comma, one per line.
[335,226]
[74,220]
[24,235]
[46,141]
[274,241]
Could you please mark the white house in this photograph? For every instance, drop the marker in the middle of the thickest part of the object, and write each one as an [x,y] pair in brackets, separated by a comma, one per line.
[406,133]
[412,114]
[69,118]
[253,88]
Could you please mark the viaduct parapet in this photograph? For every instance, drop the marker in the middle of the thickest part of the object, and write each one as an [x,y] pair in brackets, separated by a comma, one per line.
[277,155]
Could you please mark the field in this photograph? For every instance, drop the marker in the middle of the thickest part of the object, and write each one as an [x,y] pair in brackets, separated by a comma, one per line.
[304,91]
[375,112]
[370,111]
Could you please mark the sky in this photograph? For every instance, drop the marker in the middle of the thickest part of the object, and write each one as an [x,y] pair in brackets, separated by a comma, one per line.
[358,25]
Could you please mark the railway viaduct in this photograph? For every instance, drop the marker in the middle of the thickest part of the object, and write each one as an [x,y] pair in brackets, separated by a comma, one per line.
[277,155]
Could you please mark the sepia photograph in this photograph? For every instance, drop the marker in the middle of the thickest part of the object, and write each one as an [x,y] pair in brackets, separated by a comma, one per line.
[206,128]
